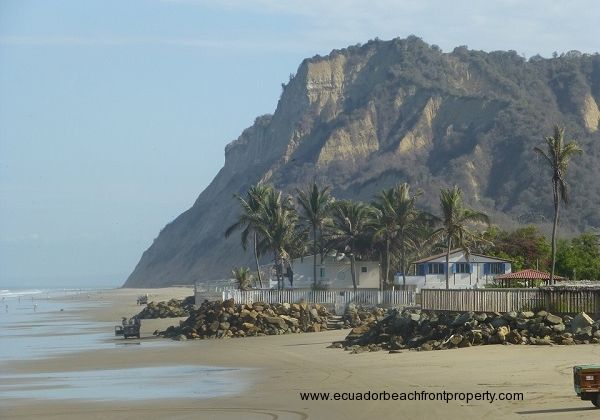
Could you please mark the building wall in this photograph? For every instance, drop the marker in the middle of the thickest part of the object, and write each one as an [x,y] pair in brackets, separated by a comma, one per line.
[335,274]
[478,277]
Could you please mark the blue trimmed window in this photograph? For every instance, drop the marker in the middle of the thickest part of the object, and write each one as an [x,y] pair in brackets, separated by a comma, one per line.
[436,268]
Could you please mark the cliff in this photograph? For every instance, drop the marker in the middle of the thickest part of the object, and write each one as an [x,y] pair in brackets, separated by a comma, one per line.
[366,117]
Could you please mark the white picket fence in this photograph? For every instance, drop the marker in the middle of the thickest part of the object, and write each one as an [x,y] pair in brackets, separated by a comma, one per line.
[338,297]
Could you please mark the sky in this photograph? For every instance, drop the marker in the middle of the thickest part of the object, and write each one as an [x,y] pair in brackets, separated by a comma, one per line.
[114,115]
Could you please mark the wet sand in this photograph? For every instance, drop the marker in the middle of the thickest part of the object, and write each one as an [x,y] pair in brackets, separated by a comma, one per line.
[284,366]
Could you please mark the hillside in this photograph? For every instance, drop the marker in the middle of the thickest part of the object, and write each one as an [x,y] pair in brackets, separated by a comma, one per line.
[366,117]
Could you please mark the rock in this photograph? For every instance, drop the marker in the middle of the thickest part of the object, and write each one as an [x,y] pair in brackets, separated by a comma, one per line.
[582,323]
[500,336]
[290,320]
[480,317]
[526,314]
[558,328]
[314,313]
[545,341]
[456,339]
[514,337]
[426,347]
[553,319]
[541,314]
[462,319]
[499,322]
[181,337]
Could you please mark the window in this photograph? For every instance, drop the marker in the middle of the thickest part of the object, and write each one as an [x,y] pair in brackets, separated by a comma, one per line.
[462,268]
[322,272]
[363,269]
[435,268]
[496,268]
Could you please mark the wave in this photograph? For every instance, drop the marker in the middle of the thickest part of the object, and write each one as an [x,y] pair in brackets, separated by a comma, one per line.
[19,292]
[15,293]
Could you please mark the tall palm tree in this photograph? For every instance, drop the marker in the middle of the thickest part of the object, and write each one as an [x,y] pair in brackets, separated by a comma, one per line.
[315,205]
[557,155]
[396,220]
[249,220]
[277,227]
[351,222]
[455,224]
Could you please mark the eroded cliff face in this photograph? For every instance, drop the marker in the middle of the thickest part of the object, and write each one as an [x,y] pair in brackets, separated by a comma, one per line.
[365,118]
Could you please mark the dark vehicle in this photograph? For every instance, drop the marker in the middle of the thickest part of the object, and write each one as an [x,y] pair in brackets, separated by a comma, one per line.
[142,300]
[586,379]
[129,328]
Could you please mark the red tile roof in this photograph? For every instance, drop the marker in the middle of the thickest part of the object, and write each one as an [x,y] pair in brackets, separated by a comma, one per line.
[528,274]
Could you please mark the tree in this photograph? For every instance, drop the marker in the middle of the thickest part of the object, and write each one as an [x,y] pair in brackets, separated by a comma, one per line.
[351,222]
[455,224]
[526,247]
[242,276]
[557,155]
[249,220]
[396,222]
[277,227]
[579,258]
[315,205]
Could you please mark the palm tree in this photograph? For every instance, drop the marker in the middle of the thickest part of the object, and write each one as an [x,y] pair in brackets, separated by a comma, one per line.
[455,220]
[315,205]
[277,227]
[351,222]
[557,155]
[396,220]
[243,277]
[249,219]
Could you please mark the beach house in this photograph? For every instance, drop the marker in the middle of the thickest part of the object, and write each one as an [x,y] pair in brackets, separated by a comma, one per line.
[470,272]
[333,272]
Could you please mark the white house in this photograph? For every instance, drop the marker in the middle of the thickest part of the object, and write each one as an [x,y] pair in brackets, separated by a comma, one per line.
[471,273]
[333,272]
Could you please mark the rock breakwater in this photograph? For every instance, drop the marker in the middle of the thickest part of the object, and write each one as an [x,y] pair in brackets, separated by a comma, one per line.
[216,319]
[174,308]
[428,330]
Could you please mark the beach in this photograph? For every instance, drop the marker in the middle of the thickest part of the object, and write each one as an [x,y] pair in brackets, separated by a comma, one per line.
[264,376]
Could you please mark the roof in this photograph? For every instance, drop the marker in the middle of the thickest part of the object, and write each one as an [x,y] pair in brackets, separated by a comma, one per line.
[454,251]
[528,274]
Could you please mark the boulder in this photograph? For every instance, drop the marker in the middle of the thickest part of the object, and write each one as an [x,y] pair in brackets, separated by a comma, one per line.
[553,319]
[582,322]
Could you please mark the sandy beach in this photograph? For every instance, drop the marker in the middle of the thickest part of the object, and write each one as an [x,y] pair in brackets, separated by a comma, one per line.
[280,367]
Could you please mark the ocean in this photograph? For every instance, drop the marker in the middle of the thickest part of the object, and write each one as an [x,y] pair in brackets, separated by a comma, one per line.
[46,323]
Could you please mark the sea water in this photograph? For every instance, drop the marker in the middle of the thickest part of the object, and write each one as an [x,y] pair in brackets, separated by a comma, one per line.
[179,381]
[36,323]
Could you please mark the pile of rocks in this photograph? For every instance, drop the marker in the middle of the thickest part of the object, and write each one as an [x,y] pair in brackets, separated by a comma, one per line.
[356,315]
[216,319]
[171,309]
[429,330]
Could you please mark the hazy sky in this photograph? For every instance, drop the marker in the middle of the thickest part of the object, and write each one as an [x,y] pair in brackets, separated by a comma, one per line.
[114,114]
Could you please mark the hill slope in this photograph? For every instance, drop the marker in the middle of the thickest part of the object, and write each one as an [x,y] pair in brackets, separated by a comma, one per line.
[366,117]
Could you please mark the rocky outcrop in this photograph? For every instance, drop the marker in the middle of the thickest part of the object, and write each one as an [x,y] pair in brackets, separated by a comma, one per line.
[367,117]
[413,329]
